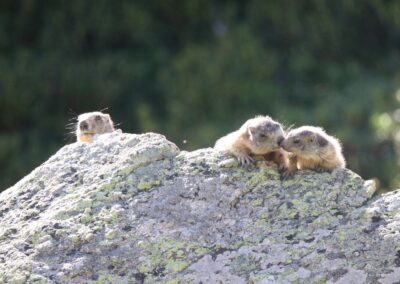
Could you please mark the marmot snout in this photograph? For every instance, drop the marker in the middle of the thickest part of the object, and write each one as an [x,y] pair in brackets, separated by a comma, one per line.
[92,123]
[313,149]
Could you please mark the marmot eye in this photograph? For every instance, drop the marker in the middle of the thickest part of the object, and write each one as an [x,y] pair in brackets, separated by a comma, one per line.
[97,117]
[263,135]
[296,141]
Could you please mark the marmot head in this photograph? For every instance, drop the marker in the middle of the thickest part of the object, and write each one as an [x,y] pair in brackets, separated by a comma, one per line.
[310,141]
[264,134]
[92,123]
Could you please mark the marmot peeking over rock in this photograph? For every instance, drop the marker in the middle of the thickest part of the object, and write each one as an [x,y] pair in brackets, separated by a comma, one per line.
[311,148]
[92,123]
[257,136]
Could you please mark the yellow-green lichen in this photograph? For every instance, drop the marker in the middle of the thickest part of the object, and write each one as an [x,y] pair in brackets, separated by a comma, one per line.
[110,215]
[84,204]
[126,171]
[341,235]
[18,275]
[300,205]
[37,236]
[5,233]
[321,221]
[229,163]
[110,186]
[146,184]
[256,179]
[118,195]
[370,187]
[256,278]
[244,264]
[288,212]
[111,234]
[237,175]
[195,172]
[236,245]
[74,238]
[176,265]
[284,275]
[32,212]
[320,279]
[18,279]
[100,197]
[257,202]
[173,255]
[66,212]
[106,243]
[86,217]
[88,237]
[110,279]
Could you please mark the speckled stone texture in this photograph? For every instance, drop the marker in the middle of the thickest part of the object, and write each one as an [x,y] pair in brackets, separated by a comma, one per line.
[134,209]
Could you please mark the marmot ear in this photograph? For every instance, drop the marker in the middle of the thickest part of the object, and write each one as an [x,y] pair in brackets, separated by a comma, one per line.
[251,130]
[322,141]
[111,122]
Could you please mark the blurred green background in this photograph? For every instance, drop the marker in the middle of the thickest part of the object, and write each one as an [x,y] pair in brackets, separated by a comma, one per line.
[195,70]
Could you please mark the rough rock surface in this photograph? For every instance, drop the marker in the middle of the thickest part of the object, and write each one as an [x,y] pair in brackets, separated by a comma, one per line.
[134,209]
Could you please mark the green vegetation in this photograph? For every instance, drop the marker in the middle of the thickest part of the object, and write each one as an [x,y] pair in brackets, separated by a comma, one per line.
[195,70]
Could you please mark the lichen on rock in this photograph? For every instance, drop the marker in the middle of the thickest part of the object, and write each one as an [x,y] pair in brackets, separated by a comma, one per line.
[135,209]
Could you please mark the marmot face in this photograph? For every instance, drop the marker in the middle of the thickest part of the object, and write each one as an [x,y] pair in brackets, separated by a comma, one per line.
[92,123]
[264,135]
[307,142]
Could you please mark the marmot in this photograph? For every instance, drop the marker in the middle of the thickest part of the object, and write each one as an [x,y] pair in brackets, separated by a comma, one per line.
[92,123]
[257,136]
[311,148]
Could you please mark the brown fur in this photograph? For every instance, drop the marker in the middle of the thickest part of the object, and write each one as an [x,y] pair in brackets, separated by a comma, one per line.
[280,157]
[92,123]
[312,149]
[257,136]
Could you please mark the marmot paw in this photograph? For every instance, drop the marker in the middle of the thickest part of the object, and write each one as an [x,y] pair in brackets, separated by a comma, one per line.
[245,160]
[286,174]
[322,170]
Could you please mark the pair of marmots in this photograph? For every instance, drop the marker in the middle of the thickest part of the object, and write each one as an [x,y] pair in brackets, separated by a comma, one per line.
[306,147]
[303,148]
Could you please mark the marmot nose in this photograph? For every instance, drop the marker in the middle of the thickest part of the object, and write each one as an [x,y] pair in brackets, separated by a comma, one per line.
[280,140]
[84,125]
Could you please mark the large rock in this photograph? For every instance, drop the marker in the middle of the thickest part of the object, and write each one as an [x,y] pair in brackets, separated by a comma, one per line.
[134,209]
